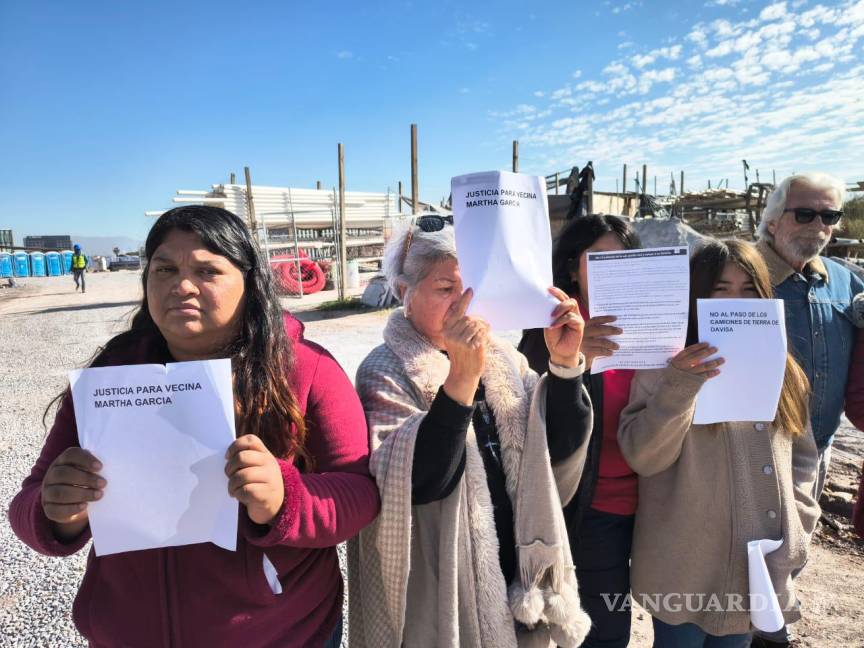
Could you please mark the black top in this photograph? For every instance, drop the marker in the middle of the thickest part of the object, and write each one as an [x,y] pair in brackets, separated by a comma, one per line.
[439,452]
[533,347]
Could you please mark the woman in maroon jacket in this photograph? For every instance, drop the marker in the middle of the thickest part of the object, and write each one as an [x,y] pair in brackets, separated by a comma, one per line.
[855,413]
[299,467]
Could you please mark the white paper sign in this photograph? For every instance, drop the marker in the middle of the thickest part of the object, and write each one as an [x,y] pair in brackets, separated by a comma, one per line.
[648,290]
[765,612]
[161,432]
[750,335]
[504,246]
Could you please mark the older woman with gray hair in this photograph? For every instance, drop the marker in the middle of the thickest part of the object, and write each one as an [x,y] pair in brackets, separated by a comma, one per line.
[470,450]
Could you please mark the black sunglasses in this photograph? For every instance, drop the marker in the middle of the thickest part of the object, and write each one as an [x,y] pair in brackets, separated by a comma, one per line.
[804,215]
[433,222]
[427,223]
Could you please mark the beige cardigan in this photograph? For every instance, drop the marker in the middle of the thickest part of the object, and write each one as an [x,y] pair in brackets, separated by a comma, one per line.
[430,575]
[704,492]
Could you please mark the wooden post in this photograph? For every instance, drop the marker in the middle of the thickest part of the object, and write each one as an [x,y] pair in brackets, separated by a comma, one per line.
[644,179]
[589,194]
[624,180]
[557,183]
[681,186]
[343,248]
[515,156]
[250,204]
[232,179]
[318,185]
[749,209]
[415,188]
[400,197]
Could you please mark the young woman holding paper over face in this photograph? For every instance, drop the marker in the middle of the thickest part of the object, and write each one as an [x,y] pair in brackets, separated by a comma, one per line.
[299,466]
[470,549]
[600,516]
[705,491]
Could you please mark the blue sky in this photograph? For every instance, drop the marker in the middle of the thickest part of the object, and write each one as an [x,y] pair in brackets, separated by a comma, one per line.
[107,108]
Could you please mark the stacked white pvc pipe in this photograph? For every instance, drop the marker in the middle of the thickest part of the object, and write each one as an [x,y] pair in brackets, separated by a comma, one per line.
[312,208]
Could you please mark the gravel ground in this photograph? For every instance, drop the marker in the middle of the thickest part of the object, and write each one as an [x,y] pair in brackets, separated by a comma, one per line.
[37,350]
[46,329]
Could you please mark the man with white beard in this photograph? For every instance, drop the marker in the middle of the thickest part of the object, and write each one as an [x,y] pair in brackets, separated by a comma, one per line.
[821,323]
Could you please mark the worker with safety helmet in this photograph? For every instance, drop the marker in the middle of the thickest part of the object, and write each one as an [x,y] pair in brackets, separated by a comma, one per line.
[79,266]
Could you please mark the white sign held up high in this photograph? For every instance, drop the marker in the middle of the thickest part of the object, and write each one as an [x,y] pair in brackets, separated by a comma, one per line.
[505,247]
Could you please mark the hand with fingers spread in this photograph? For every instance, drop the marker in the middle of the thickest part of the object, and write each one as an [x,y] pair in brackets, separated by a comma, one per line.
[255,478]
[564,336]
[465,340]
[694,360]
[71,482]
[595,340]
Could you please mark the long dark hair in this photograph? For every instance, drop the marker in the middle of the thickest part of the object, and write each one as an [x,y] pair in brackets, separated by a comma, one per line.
[262,357]
[577,237]
[706,268]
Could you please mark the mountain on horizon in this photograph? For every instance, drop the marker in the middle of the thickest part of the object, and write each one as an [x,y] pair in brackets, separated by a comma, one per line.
[104,245]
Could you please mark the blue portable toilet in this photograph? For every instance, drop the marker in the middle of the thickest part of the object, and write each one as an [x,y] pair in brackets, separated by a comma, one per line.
[21,264]
[67,261]
[5,265]
[37,264]
[54,264]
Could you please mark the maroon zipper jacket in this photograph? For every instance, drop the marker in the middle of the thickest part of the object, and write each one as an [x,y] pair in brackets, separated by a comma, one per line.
[203,595]
[855,413]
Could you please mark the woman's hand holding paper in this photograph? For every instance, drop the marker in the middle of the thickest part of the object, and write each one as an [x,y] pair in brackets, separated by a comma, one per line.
[564,336]
[255,478]
[595,339]
[70,483]
[693,360]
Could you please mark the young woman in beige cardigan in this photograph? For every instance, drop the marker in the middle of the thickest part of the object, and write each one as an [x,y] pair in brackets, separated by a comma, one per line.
[706,490]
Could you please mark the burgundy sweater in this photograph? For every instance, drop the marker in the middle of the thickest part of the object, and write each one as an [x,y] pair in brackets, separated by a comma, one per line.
[855,412]
[203,595]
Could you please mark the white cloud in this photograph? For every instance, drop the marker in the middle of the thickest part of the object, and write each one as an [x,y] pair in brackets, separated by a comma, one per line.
[627,6]
[344,55]
[773,12]
[723,28]
[699,37]
[671,53]
[641,60]
[818,14]
[775,89]
[649,78]
[722,49]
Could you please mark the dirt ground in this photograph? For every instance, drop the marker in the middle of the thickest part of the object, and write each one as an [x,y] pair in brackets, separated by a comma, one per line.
[831,587]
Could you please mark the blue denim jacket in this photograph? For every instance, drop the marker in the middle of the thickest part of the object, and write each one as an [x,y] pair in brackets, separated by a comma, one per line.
[821,330]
